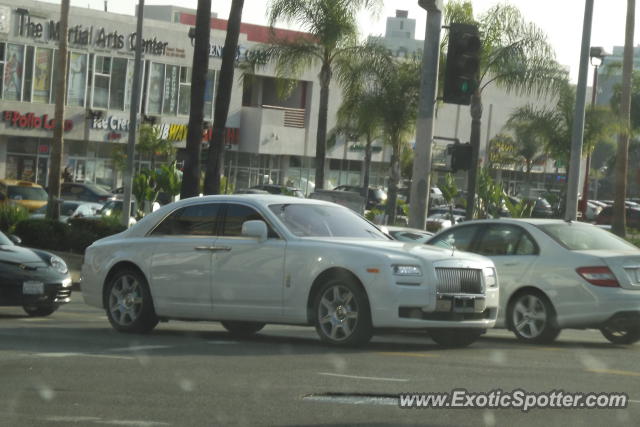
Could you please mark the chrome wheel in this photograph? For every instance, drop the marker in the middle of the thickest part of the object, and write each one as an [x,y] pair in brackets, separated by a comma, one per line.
[530,316]
[125,300]
[338,313]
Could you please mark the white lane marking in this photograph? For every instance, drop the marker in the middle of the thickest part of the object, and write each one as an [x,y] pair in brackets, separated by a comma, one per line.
[634,401]
[104,356]
[98,420]
[355,400]
[356,377]
[222,342]
[138,348]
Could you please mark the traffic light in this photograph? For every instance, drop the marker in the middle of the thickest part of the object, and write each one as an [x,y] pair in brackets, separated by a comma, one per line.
[463,64]
[460,156]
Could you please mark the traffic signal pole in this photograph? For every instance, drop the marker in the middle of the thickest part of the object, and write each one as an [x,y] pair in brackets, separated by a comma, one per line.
[421,177]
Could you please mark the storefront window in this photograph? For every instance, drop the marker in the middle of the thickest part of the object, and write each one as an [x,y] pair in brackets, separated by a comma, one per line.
[101,80]
[118,82]
[208,94]
[13,68]
[28,74]
[171,89]
[185,92]
[156,85]
[77,79]
[42,75]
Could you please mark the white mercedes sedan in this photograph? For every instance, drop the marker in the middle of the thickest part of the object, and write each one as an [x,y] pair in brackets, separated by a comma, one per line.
[248,260]
[556,274]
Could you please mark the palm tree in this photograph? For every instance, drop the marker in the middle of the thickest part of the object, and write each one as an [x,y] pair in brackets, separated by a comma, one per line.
[53,206]
[618,220]
[215,161]
[554,125]
[191,177]
[515,55]
[332,42]
[529,147]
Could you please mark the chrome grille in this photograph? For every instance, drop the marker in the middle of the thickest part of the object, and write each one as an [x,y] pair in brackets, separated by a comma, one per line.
[459,280]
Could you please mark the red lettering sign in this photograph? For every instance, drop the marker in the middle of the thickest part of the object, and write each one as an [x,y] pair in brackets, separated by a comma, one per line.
[231,136]
[31,121]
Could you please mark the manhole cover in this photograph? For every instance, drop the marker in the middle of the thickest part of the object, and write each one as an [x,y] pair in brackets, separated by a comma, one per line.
[354,398]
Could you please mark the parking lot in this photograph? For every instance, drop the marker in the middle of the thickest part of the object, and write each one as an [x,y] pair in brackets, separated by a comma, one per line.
[73,369]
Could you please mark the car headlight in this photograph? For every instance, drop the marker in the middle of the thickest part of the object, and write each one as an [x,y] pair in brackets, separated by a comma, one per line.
[58,264]
[406,270]
[490,277]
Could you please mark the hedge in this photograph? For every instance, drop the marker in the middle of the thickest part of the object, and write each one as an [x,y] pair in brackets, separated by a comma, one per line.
[73,237]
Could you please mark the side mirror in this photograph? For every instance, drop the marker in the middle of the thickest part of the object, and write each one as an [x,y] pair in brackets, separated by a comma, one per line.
[256,229]
[15,239]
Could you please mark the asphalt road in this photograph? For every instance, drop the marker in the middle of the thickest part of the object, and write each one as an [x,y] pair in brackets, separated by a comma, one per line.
[72,369]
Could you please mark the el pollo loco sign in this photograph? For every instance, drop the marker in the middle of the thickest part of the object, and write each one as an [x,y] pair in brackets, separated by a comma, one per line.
[33,121]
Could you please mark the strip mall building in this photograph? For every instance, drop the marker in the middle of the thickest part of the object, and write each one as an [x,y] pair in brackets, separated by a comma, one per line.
[269,139]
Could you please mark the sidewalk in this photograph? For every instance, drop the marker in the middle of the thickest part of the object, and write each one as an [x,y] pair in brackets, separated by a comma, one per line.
[74,262]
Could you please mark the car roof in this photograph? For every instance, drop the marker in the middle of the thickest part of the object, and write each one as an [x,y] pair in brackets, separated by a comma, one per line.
[19,182]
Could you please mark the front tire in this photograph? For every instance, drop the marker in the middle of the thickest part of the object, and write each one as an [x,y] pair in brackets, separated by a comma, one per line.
[623,335]
[342,313]
[242,329]
[39,311]
[455,337]
[532,318]
[129,303]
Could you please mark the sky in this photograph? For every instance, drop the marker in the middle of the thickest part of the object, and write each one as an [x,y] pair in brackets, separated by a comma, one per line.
[560,19]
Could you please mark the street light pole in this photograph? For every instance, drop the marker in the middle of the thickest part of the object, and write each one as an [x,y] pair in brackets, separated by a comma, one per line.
[577,133]
[133,119]
[420,183]
[594,53]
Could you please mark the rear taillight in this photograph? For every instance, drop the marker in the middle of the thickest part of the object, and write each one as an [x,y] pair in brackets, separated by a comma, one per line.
[598,276]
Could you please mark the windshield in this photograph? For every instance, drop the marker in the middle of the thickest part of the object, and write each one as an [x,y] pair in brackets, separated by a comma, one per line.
[576,237]
[325,221]
[4,240]
[100,191]
[17,192]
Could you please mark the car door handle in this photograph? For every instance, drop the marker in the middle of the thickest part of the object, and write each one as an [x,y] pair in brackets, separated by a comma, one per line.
[213,248]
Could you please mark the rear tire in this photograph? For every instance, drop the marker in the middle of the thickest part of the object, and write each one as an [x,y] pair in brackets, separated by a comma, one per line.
[621,335]
[242,329]
[129,304]
[342,314]
[532,318]
[455,337]
[39,311]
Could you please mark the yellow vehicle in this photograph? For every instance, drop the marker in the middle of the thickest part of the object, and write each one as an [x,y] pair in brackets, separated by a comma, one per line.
[24,193]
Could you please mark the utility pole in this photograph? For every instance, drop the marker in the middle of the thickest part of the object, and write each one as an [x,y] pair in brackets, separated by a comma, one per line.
[53,204]
[420,183]
[578,117]
[133,120]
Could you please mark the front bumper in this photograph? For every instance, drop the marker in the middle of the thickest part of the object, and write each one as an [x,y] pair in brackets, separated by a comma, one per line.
[54,294]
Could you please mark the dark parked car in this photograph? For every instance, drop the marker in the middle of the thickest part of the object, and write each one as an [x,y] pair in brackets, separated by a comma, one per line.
[632,214]
[84,192]
[376,197]
[34,279]
[280,189]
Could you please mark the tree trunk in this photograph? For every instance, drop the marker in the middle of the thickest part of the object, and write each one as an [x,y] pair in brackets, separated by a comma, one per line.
[191,172]
[215,162]
[321,137]
[619,221]
[367,167]
[394,179]
[57,146]
[476,123]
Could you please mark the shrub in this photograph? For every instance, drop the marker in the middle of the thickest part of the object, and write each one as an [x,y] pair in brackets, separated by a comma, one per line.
[10,215]
[73,237]
[43,234]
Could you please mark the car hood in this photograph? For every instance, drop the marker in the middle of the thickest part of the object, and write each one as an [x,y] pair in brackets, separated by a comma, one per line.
[429,252]
[19,255]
